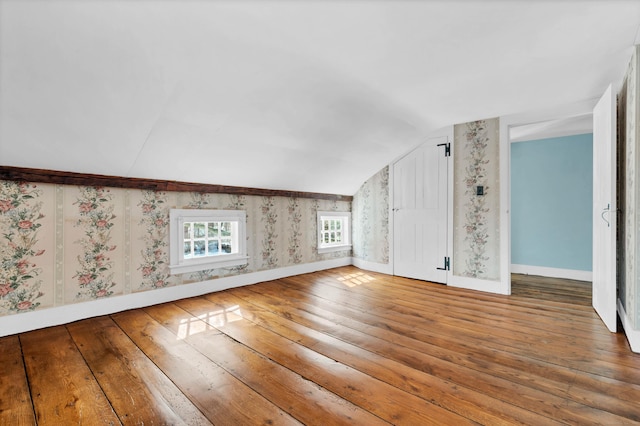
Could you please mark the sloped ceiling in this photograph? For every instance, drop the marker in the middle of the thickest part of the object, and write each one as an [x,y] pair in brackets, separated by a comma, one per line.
[298,95]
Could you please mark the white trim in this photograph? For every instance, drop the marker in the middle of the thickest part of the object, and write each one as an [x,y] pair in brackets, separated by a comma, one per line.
[544,271]
[450,185]
[391,234]
[477,284]
[345,231]
[381,268]
[633,336]
[180,265]
[19,323]
[504,160]
[507,121]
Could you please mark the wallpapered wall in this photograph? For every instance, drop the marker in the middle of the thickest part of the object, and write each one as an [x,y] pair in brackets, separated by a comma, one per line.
[370,218]
[476,218]
[62,244]
[629,108]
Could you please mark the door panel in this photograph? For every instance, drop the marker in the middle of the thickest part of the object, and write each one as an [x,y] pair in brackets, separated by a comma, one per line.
[604,209]
[420,213]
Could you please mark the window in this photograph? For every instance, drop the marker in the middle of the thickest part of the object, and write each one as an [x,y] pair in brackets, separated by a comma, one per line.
[206,239]
[334,231]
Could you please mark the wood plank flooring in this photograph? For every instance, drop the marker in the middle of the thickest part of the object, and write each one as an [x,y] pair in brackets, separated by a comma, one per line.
[343,346]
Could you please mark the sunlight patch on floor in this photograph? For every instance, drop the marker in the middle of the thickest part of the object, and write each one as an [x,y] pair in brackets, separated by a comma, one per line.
[194,325]
[356,279]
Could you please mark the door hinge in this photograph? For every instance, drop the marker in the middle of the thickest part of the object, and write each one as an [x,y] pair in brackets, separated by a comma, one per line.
[447,149]
[447,264]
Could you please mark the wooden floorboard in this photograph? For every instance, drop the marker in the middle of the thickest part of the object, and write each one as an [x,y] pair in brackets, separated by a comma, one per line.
[337,347]
[136,388]
[15,400]
[63,389]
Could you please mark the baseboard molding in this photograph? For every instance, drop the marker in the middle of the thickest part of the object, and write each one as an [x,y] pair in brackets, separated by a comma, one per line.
[19,323]
[382,268]
[489,286]
[633,335]
[543,271]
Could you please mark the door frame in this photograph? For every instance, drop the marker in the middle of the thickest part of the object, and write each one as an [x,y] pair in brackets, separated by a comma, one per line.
[506,123]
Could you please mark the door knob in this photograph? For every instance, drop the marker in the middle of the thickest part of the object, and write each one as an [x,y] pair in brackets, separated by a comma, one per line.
[605,211]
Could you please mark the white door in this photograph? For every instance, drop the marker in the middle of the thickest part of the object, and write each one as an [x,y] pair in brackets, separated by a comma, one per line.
[604,209]
[420,212]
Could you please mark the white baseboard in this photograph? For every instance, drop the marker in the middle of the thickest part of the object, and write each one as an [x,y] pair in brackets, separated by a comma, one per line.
[490,286]
[382,268]
[19,323]
[633,335]
[543,271]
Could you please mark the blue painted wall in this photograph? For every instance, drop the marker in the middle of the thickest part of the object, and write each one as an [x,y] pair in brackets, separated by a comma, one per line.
[551,202]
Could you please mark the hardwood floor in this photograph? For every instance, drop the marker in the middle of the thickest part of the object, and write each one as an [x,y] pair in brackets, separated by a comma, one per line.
[551,289]
[343,346]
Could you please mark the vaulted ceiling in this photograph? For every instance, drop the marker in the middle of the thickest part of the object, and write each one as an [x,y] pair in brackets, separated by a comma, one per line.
[298,95]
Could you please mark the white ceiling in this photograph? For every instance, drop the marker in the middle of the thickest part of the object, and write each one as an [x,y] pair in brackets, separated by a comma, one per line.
[297,95]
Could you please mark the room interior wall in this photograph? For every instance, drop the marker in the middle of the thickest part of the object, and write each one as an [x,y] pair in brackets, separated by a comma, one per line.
[64,244]
[628,110]
[628,199]
[476,218]
[621,196]
[370,218]
[551,204]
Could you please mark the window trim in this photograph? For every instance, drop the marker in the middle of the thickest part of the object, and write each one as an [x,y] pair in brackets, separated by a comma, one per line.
[177,217]
[346,231]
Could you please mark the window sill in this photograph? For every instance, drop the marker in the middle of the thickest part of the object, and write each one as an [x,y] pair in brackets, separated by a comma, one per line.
[205,264]
[334,248]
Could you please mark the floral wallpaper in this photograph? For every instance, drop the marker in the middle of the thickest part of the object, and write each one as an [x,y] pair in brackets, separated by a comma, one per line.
[155,251]
[476,239]
[20,222]
[295,238]
[63,244]
[370,219]
[94,268]
[269,219]
[632,140]
[621,230]
[629,109]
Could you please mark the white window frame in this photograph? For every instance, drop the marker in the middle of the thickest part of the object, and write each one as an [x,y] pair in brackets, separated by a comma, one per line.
[346,232]
[177,218]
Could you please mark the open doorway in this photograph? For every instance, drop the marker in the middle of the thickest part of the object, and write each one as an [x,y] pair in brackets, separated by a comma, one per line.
[551,185]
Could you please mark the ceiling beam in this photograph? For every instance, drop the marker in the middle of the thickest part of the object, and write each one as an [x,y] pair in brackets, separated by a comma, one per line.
[84,179]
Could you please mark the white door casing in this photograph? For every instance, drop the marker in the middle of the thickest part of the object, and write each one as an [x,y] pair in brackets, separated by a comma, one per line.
[604,209]
[420,207]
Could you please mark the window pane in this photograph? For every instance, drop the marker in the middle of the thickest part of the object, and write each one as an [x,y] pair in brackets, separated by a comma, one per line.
[198,247]
[325,225]
[226,246]
[338,225]
[333,225]
[338,237]
[333,237]
[198,230]
[202,239]
[326,238]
